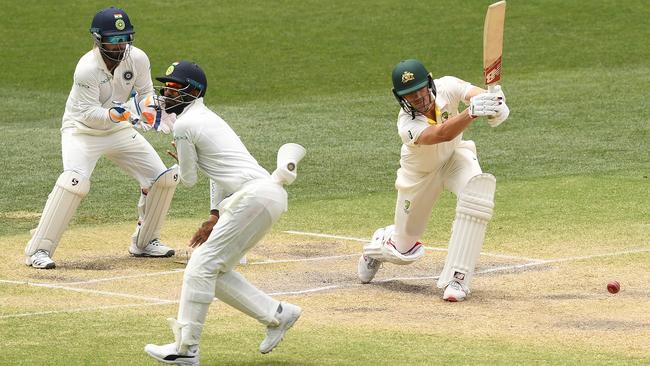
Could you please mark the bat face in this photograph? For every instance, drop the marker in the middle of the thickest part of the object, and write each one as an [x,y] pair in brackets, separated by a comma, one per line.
[493,42]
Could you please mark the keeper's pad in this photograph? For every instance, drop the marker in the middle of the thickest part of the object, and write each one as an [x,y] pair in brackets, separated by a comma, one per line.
[382,248]
[289,155]
[154,206]
[473,212]
[61,205]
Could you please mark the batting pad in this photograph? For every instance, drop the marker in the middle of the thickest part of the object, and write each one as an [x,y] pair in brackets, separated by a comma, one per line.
[381,248]
[156,205]
[473,212]
[61,205]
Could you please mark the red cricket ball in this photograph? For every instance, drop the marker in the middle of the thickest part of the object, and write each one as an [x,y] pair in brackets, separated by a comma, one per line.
[613,287]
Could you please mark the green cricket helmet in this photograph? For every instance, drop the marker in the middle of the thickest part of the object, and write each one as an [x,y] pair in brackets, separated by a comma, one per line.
[410,76]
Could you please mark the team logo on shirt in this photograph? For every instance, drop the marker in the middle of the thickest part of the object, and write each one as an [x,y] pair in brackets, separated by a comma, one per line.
[407,76]
[445,115]
[128,75]
[407,205]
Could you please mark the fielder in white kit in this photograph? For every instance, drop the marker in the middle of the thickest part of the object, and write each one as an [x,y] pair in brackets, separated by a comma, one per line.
[434,158]
[95,123]
[248,200]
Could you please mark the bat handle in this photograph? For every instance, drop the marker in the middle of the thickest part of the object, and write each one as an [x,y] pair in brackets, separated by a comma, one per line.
[491,89]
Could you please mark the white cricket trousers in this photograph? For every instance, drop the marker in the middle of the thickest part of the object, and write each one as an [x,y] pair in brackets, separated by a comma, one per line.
[126,148]
[244,218]
[414,205]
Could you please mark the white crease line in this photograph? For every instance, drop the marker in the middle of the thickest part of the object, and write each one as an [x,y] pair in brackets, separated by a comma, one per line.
[434,249]
[79,310]
[83,290]
[326,236]
[271,261]
[121,277]
[313,290]
[307,291]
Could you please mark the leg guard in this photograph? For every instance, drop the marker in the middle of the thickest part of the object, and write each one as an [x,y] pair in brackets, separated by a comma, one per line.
[233,289]
[154,206]
[383,249]
[185,334]
[61,205]
[473,212]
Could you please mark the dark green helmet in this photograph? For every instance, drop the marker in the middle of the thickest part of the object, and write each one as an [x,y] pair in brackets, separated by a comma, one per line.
[408,77]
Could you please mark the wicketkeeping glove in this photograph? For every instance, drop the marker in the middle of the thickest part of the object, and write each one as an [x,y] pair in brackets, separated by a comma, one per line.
[119,113]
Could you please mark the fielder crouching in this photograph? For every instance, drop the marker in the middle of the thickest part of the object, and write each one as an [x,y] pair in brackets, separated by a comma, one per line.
[434,158]
[248,201]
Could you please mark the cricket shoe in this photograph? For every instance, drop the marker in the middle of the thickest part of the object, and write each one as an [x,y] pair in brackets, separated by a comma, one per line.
[41,259]
[367,268]
[169,354]
[455,292]
[155,248]
[286,316]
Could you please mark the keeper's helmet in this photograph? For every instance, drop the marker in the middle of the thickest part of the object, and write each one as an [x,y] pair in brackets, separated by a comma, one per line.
[410,76]
[187,80]
[112,26]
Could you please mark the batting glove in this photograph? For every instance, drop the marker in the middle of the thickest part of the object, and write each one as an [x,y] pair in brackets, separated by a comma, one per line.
[485,104]
[502,111]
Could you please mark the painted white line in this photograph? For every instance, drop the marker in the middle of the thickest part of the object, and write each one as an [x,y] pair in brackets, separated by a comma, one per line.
[121,277]
[271,261]
[433,249]
[88,291]
[307,291]
[326,236]
[79,310]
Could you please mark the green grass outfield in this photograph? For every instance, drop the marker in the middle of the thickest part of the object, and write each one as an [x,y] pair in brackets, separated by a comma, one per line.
[572,162]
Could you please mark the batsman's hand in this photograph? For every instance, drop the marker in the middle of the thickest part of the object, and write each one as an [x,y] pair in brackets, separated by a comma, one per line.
[484,105]
[502,112]
[203,232]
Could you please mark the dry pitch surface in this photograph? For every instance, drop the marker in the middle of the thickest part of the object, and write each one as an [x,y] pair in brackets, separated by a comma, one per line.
[562,300]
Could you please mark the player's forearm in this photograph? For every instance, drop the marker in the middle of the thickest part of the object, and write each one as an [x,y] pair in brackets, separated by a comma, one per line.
[96,117]
[447,131]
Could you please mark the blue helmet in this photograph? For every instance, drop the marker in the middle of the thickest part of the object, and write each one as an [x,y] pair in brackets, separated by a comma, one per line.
[111,22]
[111,26]
[188,79]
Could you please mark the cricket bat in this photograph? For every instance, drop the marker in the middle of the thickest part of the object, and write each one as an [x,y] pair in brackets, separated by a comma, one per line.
[493,43]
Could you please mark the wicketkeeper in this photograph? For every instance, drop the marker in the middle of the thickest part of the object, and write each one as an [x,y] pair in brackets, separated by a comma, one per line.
[96,123]
[248,200]
[433,158]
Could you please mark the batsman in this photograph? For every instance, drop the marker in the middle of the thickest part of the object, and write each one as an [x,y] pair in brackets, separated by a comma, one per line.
[434,157]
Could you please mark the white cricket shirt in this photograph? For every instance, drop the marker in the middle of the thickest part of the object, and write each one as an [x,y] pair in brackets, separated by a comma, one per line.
[95,88]
[418,161]
[205,141]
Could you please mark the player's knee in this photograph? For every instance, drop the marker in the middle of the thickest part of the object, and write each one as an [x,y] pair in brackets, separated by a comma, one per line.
[477,198]
[74,183]
[200,286]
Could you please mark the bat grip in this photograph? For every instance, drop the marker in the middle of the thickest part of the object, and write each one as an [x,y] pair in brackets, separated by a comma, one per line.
[491,89]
